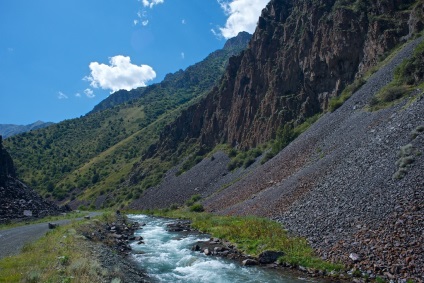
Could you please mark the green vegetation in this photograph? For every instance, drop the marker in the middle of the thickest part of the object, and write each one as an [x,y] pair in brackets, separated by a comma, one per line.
[63,255]
[338,101]
[286,134]
[408,77]
[253,235]
[240,158]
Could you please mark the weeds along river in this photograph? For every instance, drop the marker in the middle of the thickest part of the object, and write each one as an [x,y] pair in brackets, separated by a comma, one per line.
[167,257]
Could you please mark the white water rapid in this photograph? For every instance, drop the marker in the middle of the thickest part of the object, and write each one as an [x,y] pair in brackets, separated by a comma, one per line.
[167,257]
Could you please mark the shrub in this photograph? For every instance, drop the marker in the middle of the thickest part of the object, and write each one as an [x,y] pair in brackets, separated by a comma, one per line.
[193,199]
[197,207]
[392,93]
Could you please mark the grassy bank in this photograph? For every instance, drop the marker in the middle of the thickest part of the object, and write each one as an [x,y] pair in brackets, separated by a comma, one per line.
[62,255]
[253,235]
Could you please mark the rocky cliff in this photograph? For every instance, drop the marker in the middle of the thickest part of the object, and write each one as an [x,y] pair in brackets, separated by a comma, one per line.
[6,165]
[301,54]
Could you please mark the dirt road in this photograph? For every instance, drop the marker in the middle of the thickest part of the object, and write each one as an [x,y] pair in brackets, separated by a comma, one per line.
[12,240]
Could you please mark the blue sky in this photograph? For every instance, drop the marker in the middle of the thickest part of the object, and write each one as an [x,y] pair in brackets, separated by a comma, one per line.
[60,58]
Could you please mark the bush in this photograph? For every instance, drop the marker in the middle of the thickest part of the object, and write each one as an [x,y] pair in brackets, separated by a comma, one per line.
[392,93]
[197,207]
[193,199]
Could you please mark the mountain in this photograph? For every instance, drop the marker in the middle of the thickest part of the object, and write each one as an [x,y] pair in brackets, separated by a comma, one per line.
[301,55]
[17,200]
[8,130]
[84,159]
[198,77]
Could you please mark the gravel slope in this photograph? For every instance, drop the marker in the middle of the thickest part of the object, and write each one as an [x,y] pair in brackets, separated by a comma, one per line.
[334,184]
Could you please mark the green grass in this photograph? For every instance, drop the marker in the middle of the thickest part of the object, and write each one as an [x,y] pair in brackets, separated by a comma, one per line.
[286,134]
[253,235]
[61,255]
[338,101]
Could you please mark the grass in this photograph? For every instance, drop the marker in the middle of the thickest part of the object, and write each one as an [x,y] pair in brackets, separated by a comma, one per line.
[253,235]
[338,101]
[62,255]
[286,134]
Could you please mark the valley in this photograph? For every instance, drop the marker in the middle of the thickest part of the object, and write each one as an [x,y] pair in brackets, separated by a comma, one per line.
[315,122]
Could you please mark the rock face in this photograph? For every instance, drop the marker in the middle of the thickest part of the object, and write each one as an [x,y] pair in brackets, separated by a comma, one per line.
[17,201]
[301,54]
[6,165]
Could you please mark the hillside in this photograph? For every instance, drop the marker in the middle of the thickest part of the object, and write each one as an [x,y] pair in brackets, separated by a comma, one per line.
[8,130]
[87,157]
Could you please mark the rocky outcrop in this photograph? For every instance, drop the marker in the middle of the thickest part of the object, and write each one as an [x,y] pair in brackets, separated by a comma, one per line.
[18,201]
[6,165]
[301,54]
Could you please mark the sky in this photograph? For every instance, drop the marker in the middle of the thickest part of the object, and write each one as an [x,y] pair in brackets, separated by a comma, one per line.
[58,59]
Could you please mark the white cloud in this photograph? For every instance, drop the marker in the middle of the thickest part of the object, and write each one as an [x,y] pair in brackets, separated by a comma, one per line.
[183,21]
[243,15]
[77,94]
[120,74]
[182,55]
[61,95]
[145,23]
[151,3]
[89,93]
[135,22]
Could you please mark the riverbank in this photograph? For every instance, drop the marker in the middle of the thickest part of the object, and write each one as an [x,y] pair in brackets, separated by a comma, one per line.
[72,253]
[257,241]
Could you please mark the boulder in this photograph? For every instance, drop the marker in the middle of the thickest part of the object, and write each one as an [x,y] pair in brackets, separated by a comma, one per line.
[249,262]
[266,257]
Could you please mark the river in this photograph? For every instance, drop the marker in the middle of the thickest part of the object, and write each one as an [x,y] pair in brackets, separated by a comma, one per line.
[167,257]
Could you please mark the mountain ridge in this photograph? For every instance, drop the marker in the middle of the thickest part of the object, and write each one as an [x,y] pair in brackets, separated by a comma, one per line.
[8,130]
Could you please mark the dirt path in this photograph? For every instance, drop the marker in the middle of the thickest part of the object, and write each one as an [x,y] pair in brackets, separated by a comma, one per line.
[12,240]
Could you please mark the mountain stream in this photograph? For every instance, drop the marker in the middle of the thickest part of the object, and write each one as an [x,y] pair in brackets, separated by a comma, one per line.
[167,257]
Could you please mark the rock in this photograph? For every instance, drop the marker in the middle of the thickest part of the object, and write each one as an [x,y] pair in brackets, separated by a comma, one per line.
[87,217]
[266,257]
[27,213]
[355,257]
[52,225]
[206,252]
[249,262]
[217,249]
[195,248]
[140,243]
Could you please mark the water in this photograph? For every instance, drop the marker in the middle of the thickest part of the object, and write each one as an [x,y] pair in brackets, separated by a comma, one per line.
[167,257]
